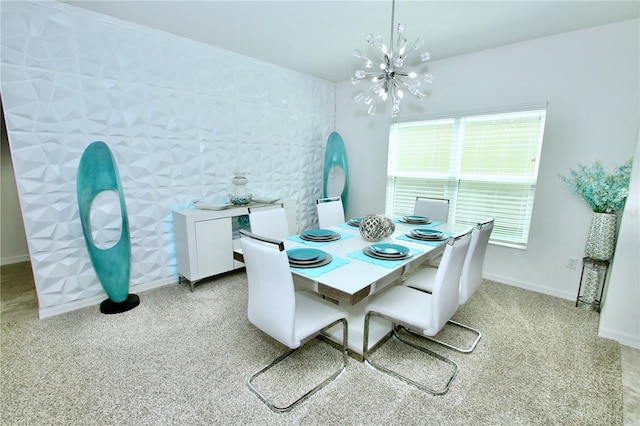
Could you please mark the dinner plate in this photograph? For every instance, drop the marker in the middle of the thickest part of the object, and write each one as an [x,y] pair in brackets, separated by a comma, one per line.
[355,221]
[427,232]
[318,233]
[320,240]
[316,264]
[414,219]
[305,255]
[422,237]
[380,256]
[390,250]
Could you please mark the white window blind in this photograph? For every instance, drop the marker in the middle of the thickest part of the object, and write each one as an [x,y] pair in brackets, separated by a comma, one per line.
[486,165]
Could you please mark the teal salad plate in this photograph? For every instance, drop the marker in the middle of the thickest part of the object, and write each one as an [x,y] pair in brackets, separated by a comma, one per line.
[318,233]
[389,249]
[306,255]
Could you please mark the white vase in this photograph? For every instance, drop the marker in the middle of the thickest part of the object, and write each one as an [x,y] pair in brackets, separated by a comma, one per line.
[602,236]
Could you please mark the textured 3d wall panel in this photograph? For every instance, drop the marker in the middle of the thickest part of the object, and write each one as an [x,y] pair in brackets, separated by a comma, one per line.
[180,118]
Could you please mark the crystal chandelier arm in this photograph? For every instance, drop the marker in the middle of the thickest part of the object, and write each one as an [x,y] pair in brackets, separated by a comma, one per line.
[380,48]
[413,88]
[375,88]
[368,63]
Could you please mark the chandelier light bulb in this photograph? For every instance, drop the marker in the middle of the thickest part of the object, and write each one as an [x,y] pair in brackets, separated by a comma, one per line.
[392,76]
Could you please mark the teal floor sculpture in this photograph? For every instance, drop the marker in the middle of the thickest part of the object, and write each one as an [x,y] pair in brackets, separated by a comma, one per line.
[97,172]
[336,157]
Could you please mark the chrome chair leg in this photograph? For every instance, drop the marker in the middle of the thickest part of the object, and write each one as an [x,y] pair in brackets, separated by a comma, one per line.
[285,355]
[367,359]
[448,345]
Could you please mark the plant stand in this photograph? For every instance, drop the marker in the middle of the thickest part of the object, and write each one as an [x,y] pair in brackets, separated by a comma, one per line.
[592,281]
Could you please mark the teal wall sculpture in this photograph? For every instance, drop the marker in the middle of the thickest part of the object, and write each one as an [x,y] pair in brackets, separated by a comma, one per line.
[97,172]
[336,156]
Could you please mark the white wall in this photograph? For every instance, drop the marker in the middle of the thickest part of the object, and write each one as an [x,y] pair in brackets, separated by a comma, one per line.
[180,117]
[590,79]
[620,315]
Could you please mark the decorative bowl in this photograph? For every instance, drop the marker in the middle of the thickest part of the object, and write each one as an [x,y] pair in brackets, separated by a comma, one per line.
[240,200]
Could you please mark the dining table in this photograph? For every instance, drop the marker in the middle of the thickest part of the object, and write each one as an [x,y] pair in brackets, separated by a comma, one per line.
[352,275]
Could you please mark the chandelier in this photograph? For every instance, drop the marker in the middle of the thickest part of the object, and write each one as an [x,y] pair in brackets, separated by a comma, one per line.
[390,77]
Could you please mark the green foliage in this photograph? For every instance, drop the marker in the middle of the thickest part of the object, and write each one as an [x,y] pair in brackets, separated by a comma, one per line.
[605,193]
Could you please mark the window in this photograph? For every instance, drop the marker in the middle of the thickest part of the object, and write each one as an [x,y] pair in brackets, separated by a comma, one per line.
[486,165]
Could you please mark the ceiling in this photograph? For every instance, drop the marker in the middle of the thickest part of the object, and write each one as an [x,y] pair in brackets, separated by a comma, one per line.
[317,37]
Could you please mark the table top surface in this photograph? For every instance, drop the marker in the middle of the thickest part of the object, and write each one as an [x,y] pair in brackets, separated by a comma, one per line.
[356,279]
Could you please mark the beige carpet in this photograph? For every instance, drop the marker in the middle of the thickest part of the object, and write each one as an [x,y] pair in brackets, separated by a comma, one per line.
[183,358]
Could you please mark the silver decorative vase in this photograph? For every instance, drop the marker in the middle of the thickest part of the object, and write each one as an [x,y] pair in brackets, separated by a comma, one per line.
[602,236]
[372,228]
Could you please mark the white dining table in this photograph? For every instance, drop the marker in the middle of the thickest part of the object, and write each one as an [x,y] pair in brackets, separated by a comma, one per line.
[352,277]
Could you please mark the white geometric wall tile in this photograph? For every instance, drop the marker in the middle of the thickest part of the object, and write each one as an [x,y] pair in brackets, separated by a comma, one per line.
[282,93]
[180,118]
[146,220]
[53,221]
[150,256]
[64,276]
[108,55]
[251,84]
[32,164]
[215,71]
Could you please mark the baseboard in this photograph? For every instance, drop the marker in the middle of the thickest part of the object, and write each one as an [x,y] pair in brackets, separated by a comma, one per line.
[633,341]
[531,286]
[14,259]
[96,300]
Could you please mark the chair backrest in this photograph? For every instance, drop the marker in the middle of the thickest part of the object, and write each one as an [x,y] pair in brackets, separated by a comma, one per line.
[272,302]
[433,208]
[471,276]
[330,212]
[446,289]
[270,222]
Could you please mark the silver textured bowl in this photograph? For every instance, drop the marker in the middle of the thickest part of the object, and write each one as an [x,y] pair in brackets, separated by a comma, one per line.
[240,200]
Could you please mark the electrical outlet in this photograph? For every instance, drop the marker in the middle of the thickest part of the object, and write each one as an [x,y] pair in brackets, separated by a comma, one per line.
[572,262]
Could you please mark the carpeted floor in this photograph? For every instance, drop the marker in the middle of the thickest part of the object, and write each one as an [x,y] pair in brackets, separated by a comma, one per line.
[184,358]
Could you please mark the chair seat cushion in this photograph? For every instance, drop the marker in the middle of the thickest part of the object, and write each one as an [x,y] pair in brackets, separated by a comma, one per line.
[407,305]
[424,279]
[313,314]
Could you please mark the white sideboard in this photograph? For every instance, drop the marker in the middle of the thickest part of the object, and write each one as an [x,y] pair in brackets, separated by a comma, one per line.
[205,239]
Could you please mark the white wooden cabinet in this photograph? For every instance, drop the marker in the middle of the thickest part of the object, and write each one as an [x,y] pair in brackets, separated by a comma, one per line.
[205,239]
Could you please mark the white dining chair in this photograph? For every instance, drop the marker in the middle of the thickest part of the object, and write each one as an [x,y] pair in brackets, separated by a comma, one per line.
[421,313]
[330,211]
[433,208]
[290,317]
[470,278]
[270,221]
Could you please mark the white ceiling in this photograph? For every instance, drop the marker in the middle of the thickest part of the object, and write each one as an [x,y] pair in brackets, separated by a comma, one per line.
[317,37]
